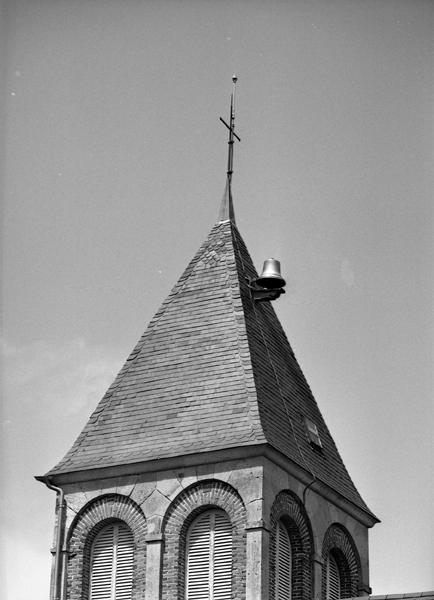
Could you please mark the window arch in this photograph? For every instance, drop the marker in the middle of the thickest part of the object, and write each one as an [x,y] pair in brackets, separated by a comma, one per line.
[209,557]
[195,500]
[341,570]
[103,512]
[111,563]
[291,548]
[283,583]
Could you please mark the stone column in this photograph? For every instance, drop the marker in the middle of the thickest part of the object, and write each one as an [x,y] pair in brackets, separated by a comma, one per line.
[317,566]
[154,548]
[257,557]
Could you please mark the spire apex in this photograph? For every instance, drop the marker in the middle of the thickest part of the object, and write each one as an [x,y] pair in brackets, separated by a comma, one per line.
[227,208]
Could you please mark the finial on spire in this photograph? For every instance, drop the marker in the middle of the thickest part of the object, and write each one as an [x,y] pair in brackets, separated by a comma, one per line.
[227,209]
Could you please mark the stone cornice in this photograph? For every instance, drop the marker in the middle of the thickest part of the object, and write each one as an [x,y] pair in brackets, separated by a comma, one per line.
[255,451]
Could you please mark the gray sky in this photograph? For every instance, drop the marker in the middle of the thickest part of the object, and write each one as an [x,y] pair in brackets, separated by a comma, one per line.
[113,168]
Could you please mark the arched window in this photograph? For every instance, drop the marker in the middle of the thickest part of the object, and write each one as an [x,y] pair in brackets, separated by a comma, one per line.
[283,584]
[111,569]
[341,567]
[209,557]
[333,590]
[291,546]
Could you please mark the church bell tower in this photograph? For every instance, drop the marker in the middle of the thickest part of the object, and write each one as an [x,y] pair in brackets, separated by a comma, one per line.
[207,471]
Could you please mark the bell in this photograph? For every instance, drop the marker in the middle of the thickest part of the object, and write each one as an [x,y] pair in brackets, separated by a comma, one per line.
[270,278]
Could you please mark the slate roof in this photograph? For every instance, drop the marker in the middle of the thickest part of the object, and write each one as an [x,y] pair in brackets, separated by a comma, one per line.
[213,370]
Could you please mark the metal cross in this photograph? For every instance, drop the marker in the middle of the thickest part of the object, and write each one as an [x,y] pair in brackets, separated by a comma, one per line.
[232,133]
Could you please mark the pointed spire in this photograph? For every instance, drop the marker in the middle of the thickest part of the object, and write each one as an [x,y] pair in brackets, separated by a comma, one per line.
[227,207]
[185,380]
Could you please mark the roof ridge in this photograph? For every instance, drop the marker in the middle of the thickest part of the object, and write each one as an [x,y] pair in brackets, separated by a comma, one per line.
[243,351]
[303,462]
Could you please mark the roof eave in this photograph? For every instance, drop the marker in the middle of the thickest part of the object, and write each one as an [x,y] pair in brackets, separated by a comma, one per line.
[255,450]
[366,517]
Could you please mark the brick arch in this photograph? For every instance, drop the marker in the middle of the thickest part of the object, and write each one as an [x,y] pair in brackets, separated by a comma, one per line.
[194,500]
[87,524]
[339,542]
[288,508]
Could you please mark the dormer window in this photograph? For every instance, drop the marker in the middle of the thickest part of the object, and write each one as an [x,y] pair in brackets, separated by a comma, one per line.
[313,433]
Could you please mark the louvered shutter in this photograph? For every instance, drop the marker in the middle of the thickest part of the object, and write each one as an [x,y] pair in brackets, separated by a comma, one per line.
[283,564]
[102,565]
[222,557]
[111,575]
[198,558]
[124,564]
[209,558]
[333,579]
